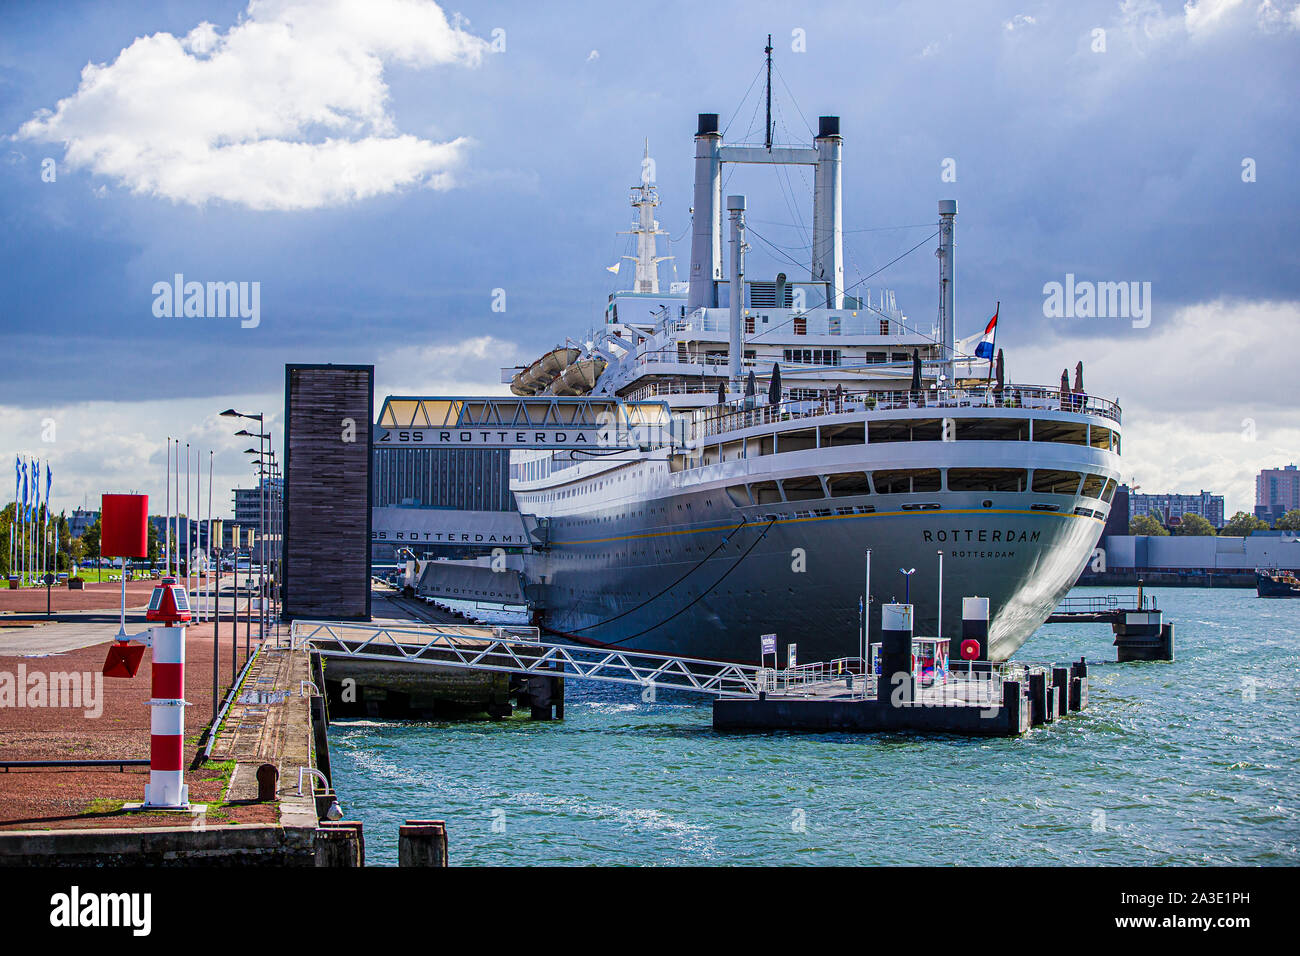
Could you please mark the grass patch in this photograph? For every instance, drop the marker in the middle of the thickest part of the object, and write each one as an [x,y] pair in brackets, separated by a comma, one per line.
[103,807]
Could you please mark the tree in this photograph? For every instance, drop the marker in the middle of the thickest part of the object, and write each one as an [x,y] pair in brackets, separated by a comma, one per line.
[1146,524]
[1289,521]
[155,551]
[1242,524]
[90,541]
[1195,524]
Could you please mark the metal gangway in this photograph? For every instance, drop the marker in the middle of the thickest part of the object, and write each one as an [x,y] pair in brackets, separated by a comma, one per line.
[1104,608]
[519,650]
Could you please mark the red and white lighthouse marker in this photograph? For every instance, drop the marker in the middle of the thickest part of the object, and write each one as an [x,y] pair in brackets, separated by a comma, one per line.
[167,788]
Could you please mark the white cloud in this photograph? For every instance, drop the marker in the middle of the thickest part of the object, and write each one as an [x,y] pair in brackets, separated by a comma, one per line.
[1019,22]
[1200,19]
[105,447]
[1208,397]
[469,367]
[288,109]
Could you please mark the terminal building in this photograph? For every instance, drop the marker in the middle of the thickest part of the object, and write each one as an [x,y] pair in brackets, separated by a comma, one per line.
[441,503]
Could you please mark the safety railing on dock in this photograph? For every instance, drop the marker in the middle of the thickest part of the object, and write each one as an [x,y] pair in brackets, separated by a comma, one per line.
[1107,604]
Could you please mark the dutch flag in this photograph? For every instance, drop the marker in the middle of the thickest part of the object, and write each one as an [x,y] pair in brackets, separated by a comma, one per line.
[985,349]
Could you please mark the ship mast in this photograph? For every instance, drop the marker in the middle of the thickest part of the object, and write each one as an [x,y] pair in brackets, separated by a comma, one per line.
[645,198]
[767,128]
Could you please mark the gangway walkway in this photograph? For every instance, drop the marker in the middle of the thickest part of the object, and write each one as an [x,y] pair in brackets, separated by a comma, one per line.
[518,650]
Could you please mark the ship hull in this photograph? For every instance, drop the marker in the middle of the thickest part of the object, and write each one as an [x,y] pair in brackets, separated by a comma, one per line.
[712,587]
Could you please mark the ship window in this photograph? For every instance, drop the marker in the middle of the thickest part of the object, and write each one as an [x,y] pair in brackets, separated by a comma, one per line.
[1110,490]
[1070,433]
[992,429]
[800,440]
[849,483]
[803,489]
[884,326]
[1056,482]
[907,429]
[875,358]
[986,479]
[850,434]
[1093,485]
[1099,437]
[765,493]
[904,481]
[800,325]
[766,444]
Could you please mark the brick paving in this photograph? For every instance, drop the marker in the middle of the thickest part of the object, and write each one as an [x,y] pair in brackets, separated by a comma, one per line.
[64,798]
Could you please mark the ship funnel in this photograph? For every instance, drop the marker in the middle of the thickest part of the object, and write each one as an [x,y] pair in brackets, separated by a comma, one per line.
[828,209]
[706,227]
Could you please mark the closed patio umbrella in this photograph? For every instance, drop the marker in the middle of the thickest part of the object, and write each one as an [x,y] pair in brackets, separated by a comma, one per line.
[722,393]
[1078,377]
[1001,371]
[916,370]
[774,387]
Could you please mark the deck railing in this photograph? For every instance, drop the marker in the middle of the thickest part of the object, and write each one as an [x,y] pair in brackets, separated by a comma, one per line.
[728,418]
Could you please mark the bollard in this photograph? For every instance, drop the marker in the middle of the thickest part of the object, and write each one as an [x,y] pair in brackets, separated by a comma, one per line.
[422,843]
[1079,668]
[896,653]
[268,779]
[975,623]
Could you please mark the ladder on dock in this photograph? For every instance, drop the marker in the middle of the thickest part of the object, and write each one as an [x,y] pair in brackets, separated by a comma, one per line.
[513,650]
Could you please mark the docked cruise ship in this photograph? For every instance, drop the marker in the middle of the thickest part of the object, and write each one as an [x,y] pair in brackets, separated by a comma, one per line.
[815,421]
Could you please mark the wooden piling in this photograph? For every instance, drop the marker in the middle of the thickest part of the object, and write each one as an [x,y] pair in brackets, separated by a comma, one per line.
[422,843]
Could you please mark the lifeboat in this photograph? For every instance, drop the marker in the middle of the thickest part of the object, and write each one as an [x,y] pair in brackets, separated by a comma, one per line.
[580,377]
[535,379]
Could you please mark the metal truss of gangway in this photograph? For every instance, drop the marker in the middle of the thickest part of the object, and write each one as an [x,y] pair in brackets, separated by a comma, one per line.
[518,650]
[599,424]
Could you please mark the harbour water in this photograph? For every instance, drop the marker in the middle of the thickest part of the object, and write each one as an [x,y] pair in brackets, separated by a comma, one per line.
[1191,762]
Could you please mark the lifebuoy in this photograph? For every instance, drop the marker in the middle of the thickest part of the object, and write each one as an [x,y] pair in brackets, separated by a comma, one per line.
[970,649]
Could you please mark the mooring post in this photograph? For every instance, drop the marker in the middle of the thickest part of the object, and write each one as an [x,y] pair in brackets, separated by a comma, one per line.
[1037,697]
[557,691]
[896,655]
[1061,687]
[422,843]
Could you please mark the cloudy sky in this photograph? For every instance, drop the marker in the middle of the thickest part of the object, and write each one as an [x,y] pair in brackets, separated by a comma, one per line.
[379,167]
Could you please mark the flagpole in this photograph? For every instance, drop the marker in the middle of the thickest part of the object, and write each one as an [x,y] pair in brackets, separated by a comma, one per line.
[167,514]
[997,314]
[208,563]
